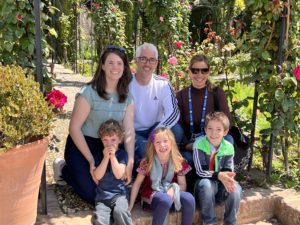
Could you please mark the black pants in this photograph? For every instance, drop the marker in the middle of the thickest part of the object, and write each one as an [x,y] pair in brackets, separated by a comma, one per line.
[77,170]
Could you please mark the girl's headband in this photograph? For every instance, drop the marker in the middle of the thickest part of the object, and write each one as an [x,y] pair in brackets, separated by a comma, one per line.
[151,136]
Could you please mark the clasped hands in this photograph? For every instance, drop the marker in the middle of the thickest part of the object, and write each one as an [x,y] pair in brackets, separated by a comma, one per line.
[110,152]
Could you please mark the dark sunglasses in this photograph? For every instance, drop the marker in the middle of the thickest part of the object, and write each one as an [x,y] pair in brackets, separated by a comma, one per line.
[198,70]
[114,47]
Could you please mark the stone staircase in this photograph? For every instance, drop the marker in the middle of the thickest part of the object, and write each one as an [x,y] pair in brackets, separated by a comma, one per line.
[257,205]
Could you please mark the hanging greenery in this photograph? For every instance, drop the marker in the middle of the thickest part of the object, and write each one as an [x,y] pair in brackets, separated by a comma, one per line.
[129,9]
[64,20]
[65,32]
[278,89]
[165,22]
[109,24]
[17,32]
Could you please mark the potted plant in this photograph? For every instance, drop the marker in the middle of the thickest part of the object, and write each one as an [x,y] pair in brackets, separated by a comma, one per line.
[25,123]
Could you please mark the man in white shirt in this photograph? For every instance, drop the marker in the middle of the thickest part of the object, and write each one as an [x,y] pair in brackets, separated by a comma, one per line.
[154,99]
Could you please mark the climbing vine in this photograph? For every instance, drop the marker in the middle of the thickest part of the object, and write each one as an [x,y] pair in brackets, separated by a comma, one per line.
[109,24]
[17,32]
[278,89]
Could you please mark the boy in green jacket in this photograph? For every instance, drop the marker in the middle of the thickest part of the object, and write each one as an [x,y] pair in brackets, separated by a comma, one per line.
[213,159]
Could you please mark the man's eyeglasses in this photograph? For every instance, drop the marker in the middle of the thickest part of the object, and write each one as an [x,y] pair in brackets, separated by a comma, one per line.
[114,47]
[145,59]
[198,70]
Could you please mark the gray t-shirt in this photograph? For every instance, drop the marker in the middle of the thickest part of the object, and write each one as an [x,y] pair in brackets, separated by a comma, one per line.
[102,110]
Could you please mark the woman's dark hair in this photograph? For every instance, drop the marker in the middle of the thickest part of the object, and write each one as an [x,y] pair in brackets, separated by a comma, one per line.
[199,58]
[202,58]
[99,82]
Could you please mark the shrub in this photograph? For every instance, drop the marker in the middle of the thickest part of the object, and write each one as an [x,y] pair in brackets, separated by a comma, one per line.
[25,115]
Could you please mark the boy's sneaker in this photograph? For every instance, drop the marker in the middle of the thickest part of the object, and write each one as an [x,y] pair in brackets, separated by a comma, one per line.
[58,165]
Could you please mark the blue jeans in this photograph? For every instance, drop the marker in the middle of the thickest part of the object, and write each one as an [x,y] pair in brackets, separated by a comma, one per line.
[119,213]
[209,193]
[162,203]
[141,139]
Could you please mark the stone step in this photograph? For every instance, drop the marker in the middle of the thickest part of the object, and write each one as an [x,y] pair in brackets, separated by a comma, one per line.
[257,205]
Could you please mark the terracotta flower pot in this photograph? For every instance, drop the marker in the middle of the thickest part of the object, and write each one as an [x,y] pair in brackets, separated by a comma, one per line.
[20,177]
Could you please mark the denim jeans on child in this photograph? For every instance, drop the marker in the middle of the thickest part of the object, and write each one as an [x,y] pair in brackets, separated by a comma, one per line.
[118,211]
[162,203]
[209,192]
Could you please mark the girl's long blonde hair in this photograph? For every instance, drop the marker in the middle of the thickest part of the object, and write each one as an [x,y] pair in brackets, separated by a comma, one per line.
[176,157]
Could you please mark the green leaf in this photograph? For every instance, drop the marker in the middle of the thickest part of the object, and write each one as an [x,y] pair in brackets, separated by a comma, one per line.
[279,95]
[269,16]
[286,81]
[19,32]
[52,9]
[285,105]
[265,55]
[277,124]
[8,46]
[294,81]
[31,48]
[21,5]
[53,32]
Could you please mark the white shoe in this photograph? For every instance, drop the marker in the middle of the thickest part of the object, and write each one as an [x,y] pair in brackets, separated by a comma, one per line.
[58,165]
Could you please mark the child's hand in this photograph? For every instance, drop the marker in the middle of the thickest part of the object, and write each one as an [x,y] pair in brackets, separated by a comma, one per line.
[227,179]
[106,152]
[130,207]
[112,150]
[189,147]
[171,192]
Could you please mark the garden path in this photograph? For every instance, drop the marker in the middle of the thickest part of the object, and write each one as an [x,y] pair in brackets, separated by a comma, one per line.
[69,83]
[64,207]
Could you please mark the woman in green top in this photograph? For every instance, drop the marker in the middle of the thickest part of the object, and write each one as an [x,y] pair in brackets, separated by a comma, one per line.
[105,97]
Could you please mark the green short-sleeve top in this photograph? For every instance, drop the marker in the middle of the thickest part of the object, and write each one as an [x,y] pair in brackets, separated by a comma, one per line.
[102,110]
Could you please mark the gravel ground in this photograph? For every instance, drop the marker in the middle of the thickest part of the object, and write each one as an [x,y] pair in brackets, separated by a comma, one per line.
[70,83]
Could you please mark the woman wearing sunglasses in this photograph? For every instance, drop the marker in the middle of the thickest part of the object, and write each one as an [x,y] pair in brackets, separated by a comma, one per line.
[196,101]
[105,97]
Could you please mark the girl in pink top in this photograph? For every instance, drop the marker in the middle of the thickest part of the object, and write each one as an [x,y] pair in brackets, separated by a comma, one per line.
[162,177]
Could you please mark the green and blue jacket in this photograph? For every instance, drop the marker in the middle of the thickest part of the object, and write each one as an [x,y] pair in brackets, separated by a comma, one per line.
[201,157]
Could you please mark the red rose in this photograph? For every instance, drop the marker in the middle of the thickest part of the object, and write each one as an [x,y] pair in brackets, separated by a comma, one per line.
[178,44]
[56,98]
[297,72]
[19,17]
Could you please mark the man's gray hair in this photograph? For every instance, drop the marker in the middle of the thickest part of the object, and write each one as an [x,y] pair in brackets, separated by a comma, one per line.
[146,46]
